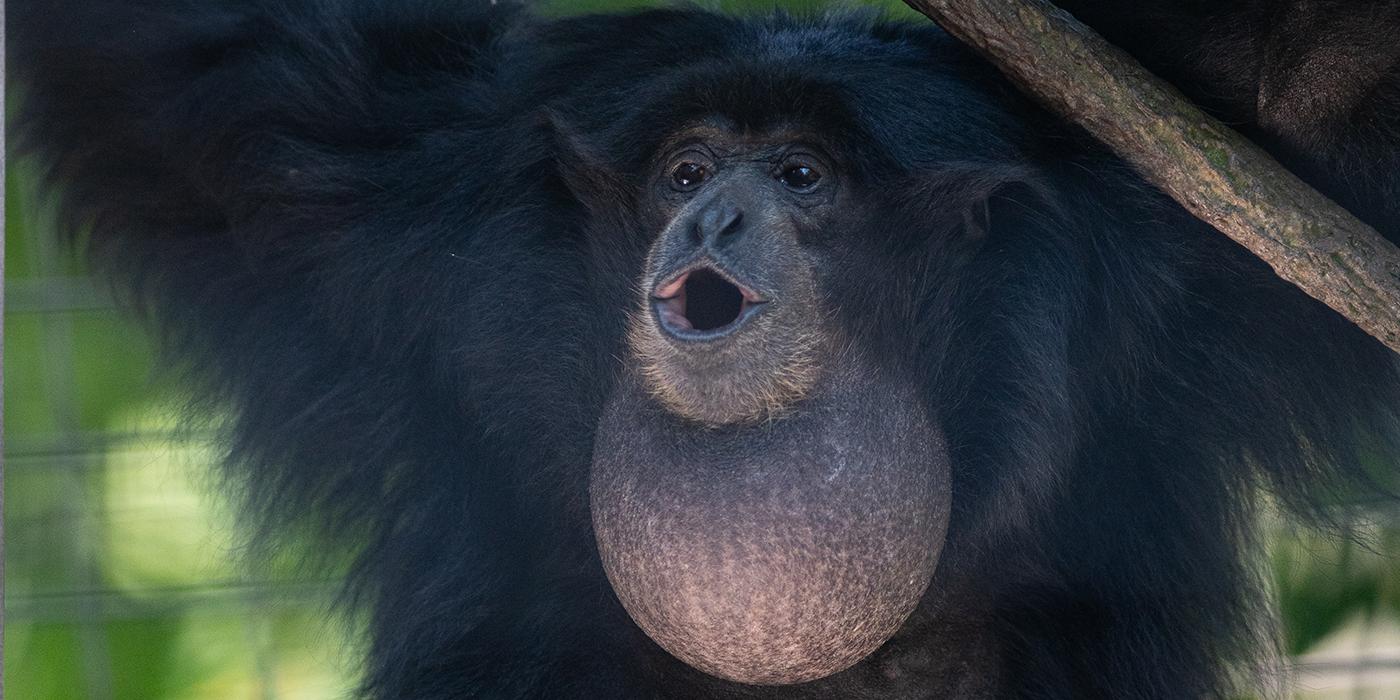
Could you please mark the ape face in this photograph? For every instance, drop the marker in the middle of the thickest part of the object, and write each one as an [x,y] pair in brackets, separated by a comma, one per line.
[768,501]
[731,328]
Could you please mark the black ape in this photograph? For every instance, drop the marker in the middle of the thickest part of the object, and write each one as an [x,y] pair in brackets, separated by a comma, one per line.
[745,330]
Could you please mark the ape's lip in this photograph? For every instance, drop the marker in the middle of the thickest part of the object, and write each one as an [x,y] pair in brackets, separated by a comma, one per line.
[703,301]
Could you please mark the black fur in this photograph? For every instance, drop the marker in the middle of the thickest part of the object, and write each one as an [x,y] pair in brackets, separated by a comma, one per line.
[349,218]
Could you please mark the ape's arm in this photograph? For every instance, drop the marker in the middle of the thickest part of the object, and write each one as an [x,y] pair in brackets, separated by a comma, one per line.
[253,169]
[188,118]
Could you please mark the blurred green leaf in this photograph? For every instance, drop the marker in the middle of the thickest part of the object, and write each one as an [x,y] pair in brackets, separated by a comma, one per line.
[145,658]
[42,661]
[1325,580]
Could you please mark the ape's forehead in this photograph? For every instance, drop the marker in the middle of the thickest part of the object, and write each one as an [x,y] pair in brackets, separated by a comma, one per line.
[740,104]
[753,97]
[726,136]
[895,93]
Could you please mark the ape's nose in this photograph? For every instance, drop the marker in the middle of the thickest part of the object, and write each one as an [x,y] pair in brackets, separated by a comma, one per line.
[719,223]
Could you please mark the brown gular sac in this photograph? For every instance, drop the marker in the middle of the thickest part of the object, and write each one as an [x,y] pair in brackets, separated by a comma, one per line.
[778,552]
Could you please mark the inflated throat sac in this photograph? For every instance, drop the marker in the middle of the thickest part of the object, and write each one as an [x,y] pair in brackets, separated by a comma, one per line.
[779,552]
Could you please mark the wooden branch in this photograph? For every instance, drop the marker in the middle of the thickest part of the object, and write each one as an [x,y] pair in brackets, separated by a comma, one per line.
[1213,171]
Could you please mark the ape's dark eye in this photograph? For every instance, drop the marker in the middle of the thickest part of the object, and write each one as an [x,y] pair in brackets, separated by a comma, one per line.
[689,174]
[800,177]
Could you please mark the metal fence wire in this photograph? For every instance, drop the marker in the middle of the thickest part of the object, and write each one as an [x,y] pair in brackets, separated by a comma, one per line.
[121,578]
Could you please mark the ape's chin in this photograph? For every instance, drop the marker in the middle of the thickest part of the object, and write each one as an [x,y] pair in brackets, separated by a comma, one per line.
[779,552]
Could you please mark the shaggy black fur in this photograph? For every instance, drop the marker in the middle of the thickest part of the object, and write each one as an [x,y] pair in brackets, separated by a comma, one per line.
[352,219]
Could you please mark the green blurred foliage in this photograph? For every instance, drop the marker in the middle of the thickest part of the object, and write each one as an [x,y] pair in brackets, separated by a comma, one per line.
[1327,580]
[121,573]
[122,577]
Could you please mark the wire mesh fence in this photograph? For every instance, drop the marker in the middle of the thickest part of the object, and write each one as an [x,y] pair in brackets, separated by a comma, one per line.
[121,578]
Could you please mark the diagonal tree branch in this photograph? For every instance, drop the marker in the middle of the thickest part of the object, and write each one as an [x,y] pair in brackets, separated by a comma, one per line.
[1217,174]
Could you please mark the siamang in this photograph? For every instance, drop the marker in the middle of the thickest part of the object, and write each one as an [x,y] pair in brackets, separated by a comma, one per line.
[674,354]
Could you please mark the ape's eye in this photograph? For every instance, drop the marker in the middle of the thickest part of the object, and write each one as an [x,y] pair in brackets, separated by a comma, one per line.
[799,177]
[689,174]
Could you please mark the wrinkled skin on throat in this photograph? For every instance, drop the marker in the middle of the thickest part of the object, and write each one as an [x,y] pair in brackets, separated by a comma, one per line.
[775,552]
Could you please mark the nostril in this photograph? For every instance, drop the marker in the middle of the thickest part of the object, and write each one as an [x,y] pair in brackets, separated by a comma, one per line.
[731,226]
[717,221]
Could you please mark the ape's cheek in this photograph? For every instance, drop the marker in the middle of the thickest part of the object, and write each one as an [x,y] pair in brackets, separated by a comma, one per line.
[774,553]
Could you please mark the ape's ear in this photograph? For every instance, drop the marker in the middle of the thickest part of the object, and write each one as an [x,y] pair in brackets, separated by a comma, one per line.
[977,219]
[965,197]
[586,170]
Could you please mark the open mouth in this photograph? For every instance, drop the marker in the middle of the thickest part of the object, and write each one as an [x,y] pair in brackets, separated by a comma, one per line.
[704,303]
